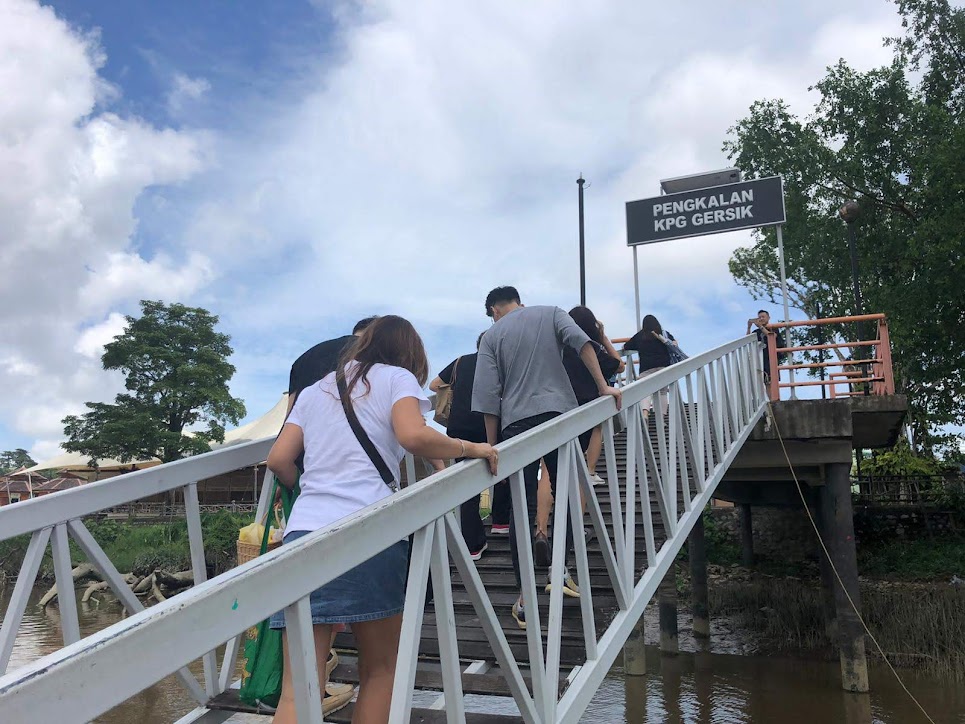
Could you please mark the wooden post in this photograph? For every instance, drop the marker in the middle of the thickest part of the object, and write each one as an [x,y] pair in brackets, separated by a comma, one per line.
[667,606]
[838,517]
[747,536]
[697,548]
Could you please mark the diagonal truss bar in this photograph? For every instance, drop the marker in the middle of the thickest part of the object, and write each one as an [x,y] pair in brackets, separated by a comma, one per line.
[21,593]
[95,554]
[554,635]
[644,486]
[579,543]
[613,485]
[527,575]
[660,490]
[681,439]
[610,559]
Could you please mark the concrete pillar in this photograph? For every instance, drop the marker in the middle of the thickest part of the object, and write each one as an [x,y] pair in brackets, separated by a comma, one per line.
[747,536]
[667,606]
[828,581]
[635,653]
[838,517]
[697,548]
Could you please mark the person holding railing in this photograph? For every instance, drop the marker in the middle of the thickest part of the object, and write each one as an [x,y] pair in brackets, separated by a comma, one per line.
[651,343]
[468,425]
[520,383]
[353,427]
[762,322]
[584,387]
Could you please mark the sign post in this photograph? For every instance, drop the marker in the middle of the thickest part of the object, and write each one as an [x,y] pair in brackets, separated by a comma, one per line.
[787,317]
[716,209]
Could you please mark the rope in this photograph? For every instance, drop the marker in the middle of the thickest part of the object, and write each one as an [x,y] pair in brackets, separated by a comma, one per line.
[827,555]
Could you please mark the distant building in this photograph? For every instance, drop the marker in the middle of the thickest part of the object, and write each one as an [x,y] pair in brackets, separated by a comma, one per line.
[19,485]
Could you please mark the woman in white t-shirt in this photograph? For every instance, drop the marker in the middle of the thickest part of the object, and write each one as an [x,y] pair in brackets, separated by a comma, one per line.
[384,372]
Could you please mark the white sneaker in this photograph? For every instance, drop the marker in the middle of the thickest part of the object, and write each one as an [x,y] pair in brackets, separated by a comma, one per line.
[597,480]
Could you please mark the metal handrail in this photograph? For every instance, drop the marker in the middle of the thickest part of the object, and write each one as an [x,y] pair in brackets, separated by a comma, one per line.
[715,400]
[876,375]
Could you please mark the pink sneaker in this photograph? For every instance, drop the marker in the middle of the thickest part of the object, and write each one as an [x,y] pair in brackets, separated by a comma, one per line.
[500,529]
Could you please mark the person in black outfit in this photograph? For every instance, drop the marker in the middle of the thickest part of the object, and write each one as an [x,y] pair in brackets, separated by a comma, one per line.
[321,359]
[582,381]
[762,321]
[651,343]
[470,426]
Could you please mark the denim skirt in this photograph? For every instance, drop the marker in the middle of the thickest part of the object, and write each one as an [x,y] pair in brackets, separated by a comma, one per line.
[372,590]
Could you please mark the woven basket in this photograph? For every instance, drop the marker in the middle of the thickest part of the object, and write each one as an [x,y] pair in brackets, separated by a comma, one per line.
[250,551]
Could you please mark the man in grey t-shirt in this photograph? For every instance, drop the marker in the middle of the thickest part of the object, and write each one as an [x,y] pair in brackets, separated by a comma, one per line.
[520,383]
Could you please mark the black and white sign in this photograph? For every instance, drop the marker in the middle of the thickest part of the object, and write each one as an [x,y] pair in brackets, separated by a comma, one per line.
[744,205]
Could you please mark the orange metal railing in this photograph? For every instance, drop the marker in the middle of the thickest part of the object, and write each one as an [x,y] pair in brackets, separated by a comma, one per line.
[868,371]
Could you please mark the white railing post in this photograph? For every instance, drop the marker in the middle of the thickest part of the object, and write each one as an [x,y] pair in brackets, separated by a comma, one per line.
[300,636]
[412,615]
[192,512]
[446,625]
[63,572]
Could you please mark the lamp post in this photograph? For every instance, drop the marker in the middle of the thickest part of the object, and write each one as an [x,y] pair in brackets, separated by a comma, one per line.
[579,182]
[849,213]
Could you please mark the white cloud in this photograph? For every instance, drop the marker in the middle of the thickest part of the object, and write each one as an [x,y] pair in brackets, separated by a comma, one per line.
[430,156]
[185,90]
[93,339]
[70,173]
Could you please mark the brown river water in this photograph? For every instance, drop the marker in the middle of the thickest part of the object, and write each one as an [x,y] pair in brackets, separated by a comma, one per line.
[689,687]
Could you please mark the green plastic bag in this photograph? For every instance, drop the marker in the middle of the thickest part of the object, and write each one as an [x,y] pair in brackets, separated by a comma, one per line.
[264,660]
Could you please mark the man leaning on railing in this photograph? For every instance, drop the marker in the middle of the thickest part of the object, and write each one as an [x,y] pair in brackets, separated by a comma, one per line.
[521,383]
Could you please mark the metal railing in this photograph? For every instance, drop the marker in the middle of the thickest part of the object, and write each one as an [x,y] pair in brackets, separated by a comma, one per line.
[714,401]
[907,489]
[868,370]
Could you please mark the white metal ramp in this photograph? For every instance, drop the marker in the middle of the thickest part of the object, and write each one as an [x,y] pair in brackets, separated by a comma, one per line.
[714,400]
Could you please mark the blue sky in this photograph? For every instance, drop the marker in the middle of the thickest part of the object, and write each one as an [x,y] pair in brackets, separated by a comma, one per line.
[294,166]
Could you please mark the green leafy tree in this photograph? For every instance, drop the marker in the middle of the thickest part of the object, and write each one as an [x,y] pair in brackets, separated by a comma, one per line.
[177,373]
[893,139]
[11,460]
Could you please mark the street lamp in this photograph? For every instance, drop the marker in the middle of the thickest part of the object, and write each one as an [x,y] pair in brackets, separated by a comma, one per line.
[579,182]
[849,213]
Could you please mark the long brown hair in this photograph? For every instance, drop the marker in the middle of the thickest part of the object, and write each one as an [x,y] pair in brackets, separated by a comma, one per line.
[389,340]
[586,320]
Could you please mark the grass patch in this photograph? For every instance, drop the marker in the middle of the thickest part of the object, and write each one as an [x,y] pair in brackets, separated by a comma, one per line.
[937,559]
[916,625]
[140,548]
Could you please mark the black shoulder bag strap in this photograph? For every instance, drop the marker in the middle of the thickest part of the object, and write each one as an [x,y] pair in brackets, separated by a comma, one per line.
[363,437]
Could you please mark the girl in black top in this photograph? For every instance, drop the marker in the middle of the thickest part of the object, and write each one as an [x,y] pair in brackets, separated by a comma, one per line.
[651,343]
[467,425]
[583,385]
